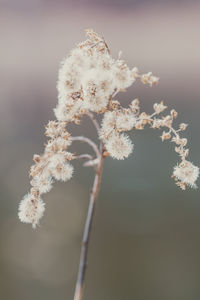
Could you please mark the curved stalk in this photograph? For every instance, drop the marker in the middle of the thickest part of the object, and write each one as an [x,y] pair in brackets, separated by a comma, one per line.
[94,121]
[87,230]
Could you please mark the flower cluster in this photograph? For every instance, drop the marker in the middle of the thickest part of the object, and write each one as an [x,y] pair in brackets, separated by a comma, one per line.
[185,173]
[114,123]
[88,81]
[52,165]
[89,77]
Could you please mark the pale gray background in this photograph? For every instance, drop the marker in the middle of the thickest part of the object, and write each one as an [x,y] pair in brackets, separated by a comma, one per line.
[146,235]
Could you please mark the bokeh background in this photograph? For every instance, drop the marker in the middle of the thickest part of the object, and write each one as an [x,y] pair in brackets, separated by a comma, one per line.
[146,234]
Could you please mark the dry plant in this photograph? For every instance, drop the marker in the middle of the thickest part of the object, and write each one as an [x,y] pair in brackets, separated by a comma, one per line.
[89,79]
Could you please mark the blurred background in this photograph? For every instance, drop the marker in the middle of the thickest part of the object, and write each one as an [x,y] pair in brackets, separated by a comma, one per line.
[145,240]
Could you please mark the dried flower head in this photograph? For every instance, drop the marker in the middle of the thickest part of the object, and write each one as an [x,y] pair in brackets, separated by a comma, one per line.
[88,81]
[31,209]
[186,174]
[119,146]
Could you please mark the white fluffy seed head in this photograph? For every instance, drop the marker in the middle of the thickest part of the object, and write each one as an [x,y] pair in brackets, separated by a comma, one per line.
[187,173]
[58,144]
[94,99]
[57,158]
[67,112]
[108,125]
[116,121]
[97,88]
[119,146]
[125,120]
[62,143]
[60,169]
[91,72]
[55,129]
[43,183]
[70,73]
[123,76]
[63,172]
[31,210]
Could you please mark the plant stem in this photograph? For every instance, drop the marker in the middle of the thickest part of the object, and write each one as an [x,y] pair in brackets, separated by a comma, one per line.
[88,141]
[87,230]
[94,121]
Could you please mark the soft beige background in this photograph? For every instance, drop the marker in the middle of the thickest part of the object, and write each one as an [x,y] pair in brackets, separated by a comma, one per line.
[146,235]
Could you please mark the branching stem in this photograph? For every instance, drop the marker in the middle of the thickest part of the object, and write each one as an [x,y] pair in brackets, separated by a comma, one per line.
[88,141]
[84,156]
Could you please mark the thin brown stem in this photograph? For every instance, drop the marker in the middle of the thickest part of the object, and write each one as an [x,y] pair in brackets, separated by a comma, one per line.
[87,230]
[84,156]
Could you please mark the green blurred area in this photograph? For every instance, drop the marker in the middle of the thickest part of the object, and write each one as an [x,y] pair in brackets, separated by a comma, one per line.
[146,234]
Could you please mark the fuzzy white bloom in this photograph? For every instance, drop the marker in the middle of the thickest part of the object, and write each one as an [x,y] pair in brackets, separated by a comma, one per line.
[123,76]
[57,158]
[60,169]
[62,143]
[87,79]
[125,120]
[58,144]
[31,210]
[63,172]
[70,73]
[187,173]
[108,124]
[119,146]
[55,129]
[116,121]
[69,83]
[43,183]
[67,111]
[97,88]
[149,78]
[103,61]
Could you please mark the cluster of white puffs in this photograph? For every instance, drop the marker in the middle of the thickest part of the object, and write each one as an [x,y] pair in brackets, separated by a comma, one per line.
[89,79]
